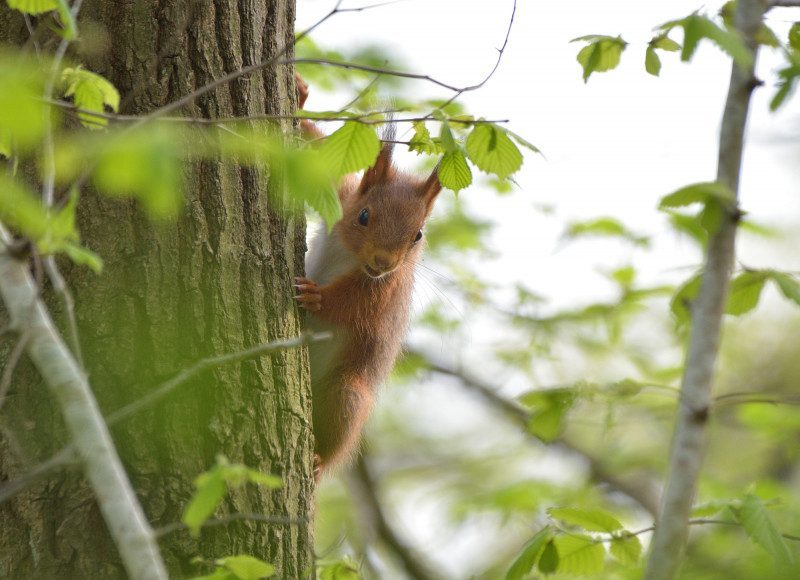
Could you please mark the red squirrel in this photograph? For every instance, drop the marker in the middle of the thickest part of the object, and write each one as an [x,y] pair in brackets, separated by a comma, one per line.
[360,278]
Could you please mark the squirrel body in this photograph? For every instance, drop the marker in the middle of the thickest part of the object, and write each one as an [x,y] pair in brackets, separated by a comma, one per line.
[360,278]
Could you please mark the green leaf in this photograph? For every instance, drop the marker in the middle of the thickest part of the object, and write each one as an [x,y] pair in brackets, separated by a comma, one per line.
[745,292]
[767,37]
[548,563]
[601,54]
[794,36]
[788,285]
[627,549]
[91,92]
[210,489]
[265,479]
[759,526]
[579,555]
[422,142]
[698,193]
[592,520]
[247,567]
[33,6]
[652,63]
[525,143]
[788,78]
[603,226]
[664,42]
[696,27]
[526,560]
[22,111]
[353,147]
[84,257]
[344,569]
[547,411]
[681,301]
[309,181]
[491,150]
[454,173]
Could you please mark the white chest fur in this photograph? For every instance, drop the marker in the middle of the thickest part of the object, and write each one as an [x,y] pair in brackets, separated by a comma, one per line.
[327,258]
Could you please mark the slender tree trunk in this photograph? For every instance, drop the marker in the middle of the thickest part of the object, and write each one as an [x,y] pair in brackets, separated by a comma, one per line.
[217,281]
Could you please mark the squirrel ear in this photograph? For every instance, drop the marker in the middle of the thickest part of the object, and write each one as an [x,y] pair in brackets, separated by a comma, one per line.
[380,172]
[431,187]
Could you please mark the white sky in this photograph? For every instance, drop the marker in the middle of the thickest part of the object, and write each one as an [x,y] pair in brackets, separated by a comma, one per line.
[613,146]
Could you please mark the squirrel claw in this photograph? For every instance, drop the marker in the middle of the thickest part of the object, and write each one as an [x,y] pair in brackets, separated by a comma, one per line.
[309,296]
[302,90]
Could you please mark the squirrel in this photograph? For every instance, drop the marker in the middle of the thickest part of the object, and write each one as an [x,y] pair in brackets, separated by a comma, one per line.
[358,286]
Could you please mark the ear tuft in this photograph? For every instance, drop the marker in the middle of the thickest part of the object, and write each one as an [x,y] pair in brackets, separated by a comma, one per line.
[380,172]
[431,188]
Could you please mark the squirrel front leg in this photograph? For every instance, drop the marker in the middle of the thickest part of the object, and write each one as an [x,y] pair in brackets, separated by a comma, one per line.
[335,303]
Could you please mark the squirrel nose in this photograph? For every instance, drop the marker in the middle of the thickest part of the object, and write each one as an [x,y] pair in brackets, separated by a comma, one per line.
[383,262]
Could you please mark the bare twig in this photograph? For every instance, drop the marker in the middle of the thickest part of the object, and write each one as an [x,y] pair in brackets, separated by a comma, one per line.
[369,504]
[695,522]
[61,289]
[784,4]
[117,500]
[237,517]
[689,439]
[641,490]
[209,363]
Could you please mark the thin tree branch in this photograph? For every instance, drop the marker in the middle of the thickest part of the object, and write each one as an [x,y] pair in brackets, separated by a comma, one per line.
[641,490]
[121,510]
[66,456]
[208,363]
[61,289]
[689,439]
[784,4]
[364,487]
[224,520]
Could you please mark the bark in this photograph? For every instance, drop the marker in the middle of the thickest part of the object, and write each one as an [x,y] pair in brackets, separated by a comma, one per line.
[217,281]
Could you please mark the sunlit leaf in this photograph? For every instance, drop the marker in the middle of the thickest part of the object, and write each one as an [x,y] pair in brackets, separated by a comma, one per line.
[592,520]
[579,555]
[33,6]
[210,489]
[354,146]
[605,227]
[454,173]
[22,111]
[601,54]
[745,292]
[627,549]
[652,63]
[698,193]
[91,92]
[787,284]
[526,560]
[344,569]
[549,560]
[422,142]
[697,27]
[491,150]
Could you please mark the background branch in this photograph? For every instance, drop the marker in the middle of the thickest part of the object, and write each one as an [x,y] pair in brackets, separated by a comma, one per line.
[689,439]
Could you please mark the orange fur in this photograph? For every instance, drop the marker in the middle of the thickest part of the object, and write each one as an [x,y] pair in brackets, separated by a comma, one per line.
[366,275]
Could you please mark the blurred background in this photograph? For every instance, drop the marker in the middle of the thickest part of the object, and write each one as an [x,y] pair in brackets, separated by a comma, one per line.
[544,358]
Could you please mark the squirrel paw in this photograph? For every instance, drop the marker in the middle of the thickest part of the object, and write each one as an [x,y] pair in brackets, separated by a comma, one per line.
[317,467]
[302,90]
[309,297]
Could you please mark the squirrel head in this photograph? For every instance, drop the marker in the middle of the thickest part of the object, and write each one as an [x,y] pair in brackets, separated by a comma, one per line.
[383,217]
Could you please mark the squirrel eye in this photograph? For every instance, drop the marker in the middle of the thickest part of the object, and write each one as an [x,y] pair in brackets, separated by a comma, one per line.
[363,217]
[419,236]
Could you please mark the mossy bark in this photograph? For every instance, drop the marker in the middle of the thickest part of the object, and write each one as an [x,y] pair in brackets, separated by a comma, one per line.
[218,280]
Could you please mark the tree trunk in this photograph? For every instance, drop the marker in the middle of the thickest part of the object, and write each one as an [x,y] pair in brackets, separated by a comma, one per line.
[217,281]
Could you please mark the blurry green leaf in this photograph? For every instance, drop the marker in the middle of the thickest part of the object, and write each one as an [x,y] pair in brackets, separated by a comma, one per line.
[91,92]
[22,111]
[698,193]
[690,225]
[788,285]
[601,54]
[523,142]
[457,230]
[745,292]
[410,365]
[603,226]
[681,301]
[83,257]
[547,411]
[247,567]
[593,520]
[33,6]
[491,150]
[526,560]
[454,173]
[265,479]
[579,555]
[788,78]
[759,526]
[696,27]
[712,507]
[354,146]
[549,560]
[794,36]
[309,181]
[664,42]
[627,549]
[767,37]
[344,569]
[210,489]
[652,63]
